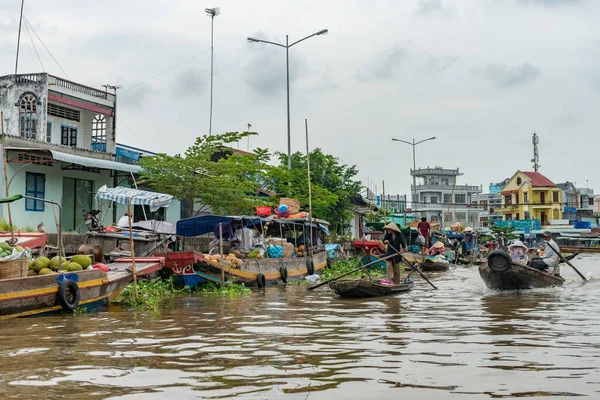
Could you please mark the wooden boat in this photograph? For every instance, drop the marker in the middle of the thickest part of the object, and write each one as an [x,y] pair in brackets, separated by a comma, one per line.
[426,263]
[579,249]
[192,268]
[32,295]
[362,288]
[501,274]
[34,241]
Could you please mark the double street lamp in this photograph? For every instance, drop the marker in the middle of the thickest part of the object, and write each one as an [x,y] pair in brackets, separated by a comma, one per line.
[287,46]
[414,144]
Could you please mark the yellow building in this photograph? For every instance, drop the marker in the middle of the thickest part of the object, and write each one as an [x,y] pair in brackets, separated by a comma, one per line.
[530,195]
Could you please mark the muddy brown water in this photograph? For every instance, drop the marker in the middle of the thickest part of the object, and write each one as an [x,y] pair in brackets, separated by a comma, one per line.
[462,341]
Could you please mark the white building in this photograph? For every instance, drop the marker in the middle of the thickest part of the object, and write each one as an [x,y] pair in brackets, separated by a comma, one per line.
[441,198]
[60,145]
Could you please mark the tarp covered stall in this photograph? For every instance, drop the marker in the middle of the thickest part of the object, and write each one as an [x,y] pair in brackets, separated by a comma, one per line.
[137,197]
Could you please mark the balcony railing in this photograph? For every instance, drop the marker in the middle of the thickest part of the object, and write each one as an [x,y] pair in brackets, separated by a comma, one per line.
[79,88]
[435,171]
[461,188]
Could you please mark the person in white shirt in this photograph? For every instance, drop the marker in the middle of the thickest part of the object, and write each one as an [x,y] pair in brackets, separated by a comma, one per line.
[550,259]
[124,221]
[245,236]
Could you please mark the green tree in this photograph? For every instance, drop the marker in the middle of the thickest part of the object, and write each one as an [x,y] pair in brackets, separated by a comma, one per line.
[208,173]
[332,185]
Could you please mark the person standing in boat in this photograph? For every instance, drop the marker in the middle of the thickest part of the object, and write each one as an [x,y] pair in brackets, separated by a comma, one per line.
[502,241]
[395,242]
[424,229]
[550,258]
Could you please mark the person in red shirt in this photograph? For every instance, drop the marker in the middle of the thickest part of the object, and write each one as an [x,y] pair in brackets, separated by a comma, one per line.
[424,229]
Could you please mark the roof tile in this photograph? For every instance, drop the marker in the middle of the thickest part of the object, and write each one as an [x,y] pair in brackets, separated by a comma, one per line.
[539,180]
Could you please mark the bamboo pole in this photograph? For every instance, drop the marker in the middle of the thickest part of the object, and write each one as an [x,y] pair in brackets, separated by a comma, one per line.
[4,156]
[383,202]
[132,249]
[309,190]
[221,253]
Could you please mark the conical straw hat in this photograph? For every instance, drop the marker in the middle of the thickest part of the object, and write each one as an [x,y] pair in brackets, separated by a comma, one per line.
[392,226]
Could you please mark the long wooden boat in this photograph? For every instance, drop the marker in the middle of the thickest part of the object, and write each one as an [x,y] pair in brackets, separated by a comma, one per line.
[32,240]
[362,288]
[191,269]
[41,294]
[579,249]
[501,274]
[426,263]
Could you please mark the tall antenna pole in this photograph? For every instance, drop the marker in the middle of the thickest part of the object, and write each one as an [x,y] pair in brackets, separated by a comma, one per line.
[19,38]
[248,144]
[536,157]
[212,13]
[309,190]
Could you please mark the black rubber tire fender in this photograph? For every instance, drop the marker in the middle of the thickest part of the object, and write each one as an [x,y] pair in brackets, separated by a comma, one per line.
[499,261]
[63,298]
[283,272]
[261,281]
[310,266]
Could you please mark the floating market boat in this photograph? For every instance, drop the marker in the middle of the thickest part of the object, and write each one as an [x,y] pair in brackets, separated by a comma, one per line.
[501,274]
[298,259]
[428,263]
[93,288]
[363,288]
[30,240]
[23,295]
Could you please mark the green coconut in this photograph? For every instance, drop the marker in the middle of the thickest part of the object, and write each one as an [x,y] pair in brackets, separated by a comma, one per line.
[45,271]
[41,263]
[74,267]
[55,261]
[83,260]
[31,273]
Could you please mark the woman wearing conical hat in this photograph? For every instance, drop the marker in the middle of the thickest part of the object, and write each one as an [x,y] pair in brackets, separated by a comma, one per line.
[395,242]
[437,249]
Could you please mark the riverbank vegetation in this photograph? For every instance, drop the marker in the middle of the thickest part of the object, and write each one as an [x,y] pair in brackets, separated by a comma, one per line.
[341,267]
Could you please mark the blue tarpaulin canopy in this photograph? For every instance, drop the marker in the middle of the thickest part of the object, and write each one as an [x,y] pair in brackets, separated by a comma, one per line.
[138,197]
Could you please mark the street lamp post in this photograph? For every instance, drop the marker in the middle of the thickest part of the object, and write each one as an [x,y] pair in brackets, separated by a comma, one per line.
[211,13]
[414,145]
[287,66]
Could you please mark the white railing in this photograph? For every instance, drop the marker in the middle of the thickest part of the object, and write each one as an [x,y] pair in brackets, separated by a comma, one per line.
[79,88]
[463,188]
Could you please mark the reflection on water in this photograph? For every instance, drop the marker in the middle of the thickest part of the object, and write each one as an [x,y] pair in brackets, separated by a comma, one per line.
[461,341]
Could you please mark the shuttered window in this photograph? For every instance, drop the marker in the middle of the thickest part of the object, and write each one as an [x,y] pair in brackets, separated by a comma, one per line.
[63,112]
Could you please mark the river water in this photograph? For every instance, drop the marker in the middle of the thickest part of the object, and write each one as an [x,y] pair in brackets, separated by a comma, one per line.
[462,341]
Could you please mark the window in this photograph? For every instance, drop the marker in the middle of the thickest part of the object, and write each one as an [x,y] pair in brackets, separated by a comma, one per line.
[525,197]
[99,133]
[27,116]
[590,201]
[517,199]
[519,182]
[434,199]
[49,132]
[63,112]
[35,186]
[444,181]
[68,136]
[517,216]
[555,197]
[508,199]
[508,217]
[542,198]
[446,198]
[460,198]
[425,199]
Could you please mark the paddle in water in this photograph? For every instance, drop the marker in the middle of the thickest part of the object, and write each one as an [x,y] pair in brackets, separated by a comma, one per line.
[567,261]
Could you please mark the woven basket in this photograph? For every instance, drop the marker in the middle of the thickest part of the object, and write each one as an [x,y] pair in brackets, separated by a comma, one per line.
[13,269]
[293,204]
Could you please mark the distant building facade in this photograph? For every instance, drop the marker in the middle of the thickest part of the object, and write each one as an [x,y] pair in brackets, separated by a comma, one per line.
[440,198]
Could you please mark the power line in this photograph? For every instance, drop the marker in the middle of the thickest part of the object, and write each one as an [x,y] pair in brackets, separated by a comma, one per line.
[42,42]
[34,48]
[165,71]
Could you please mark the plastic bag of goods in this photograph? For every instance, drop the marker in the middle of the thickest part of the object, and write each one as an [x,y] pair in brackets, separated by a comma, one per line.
[275,251]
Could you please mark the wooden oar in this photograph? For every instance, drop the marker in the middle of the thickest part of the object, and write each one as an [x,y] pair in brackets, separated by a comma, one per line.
[351,272]
[413,266]
[567,261]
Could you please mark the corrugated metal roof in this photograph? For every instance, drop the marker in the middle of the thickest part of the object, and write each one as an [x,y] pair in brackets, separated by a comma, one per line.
[95,163]
[539,180]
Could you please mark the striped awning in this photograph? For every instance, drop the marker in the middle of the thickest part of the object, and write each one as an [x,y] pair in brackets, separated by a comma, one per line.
[95,162]
[137,197]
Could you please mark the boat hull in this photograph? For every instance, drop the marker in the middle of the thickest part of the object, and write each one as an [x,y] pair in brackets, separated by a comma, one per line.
[517,277]
[192,269]
[426,264]
[579,249]
[360,288]
[34,295]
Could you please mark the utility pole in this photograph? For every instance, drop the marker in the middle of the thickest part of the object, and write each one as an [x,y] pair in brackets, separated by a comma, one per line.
[114,88]
[211,13]
[536,157]
[19,38]
[248,145]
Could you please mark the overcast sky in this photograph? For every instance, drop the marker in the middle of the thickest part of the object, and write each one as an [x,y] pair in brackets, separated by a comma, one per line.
[478,75]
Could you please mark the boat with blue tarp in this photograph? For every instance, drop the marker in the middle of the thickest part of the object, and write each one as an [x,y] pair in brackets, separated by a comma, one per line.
[261,250]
